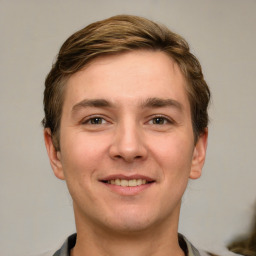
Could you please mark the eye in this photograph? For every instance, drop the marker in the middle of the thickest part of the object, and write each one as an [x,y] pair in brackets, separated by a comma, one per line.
[159,120]
[95,121]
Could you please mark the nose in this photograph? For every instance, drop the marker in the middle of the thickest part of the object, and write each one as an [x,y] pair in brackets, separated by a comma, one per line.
[128,143]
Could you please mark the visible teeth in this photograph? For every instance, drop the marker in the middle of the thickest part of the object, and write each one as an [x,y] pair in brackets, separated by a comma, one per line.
[132,183]
[127,183]
[139,182]
[124,183]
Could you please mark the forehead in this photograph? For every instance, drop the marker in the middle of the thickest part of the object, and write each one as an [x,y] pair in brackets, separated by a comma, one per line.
[127,78]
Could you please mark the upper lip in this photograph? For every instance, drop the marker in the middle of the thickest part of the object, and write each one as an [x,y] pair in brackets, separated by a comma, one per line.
[127,177]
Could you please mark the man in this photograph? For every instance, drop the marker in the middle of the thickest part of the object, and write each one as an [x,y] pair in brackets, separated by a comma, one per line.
[126,128]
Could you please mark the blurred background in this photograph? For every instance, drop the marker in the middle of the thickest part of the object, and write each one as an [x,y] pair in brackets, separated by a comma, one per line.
[36,211]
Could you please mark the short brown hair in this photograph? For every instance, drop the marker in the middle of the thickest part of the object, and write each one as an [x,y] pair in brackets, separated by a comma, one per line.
[115,35]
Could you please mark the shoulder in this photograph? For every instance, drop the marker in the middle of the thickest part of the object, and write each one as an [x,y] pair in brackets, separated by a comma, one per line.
[191,250]
[65,248]
[204,253]
[48,253]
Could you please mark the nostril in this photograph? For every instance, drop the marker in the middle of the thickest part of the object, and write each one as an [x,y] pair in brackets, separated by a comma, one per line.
[128,158]
[128,151]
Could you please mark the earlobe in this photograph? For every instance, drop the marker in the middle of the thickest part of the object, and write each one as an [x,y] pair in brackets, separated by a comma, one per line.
[53,154]
[199,155]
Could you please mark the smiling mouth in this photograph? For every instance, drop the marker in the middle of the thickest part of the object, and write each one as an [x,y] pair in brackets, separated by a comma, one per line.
[127,183]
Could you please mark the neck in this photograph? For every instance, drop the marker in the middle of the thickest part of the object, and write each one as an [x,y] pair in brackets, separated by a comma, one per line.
[157,240]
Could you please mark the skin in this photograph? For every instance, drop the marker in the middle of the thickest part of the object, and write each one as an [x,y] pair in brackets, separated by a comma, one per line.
[127,115]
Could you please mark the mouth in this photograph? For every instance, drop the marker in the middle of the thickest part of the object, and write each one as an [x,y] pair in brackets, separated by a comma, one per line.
[127,182]
[128,185]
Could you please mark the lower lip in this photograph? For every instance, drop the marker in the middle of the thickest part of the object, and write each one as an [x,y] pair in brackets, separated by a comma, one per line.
[128,191]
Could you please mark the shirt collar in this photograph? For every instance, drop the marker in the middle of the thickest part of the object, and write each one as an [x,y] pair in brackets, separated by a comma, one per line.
[190,250]
[70,242]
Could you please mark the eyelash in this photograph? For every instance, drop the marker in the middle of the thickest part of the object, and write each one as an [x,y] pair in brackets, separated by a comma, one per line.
[103,120]
[89,120]
[163,118]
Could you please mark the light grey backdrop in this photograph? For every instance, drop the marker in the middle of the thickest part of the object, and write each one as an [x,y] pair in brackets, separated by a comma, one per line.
[36,211]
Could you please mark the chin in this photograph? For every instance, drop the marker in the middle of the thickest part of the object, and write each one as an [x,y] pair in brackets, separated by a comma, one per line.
[130,221]
[129,226]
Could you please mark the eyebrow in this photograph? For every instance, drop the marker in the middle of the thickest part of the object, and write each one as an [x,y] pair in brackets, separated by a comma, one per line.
[148,103]
[98,103]
[159,102]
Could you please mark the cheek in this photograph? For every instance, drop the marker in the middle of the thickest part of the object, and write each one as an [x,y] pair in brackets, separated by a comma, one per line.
[172,149]
[174,157]
[81,158]
[81,154]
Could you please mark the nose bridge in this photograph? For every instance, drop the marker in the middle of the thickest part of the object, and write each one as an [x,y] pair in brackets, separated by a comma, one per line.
[128,142]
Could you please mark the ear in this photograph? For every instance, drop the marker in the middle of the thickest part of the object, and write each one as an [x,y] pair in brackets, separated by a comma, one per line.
[53,154]
[199,155]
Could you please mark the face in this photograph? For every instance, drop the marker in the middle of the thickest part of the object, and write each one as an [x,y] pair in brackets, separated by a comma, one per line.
[126,142]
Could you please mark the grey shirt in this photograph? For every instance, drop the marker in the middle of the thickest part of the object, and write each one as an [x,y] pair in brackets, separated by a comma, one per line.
[186,246]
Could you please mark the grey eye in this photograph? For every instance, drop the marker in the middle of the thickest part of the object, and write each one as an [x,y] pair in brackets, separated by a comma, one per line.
[159,120]
[96,120]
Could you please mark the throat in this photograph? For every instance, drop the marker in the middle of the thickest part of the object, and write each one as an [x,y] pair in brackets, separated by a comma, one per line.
[125,245]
